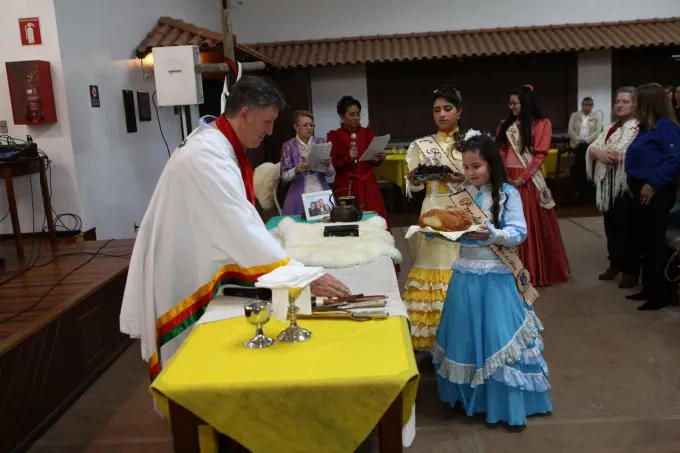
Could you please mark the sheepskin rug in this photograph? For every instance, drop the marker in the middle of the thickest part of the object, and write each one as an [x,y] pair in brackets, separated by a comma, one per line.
[306,243]
[265,177]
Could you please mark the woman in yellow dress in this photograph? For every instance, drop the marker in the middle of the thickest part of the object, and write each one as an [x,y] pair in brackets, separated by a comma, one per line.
[429,277]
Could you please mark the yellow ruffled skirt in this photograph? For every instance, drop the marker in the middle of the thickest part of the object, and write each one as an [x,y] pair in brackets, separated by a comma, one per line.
[428,281]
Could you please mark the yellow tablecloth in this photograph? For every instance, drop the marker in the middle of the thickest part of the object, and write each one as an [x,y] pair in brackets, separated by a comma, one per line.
[393,169]
[550,163]
[326,394]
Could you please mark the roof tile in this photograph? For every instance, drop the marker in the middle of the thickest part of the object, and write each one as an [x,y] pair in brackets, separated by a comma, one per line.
[470,43]
[174,32]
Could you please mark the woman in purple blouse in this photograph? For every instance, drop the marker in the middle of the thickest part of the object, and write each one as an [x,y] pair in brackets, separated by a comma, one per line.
[294,167]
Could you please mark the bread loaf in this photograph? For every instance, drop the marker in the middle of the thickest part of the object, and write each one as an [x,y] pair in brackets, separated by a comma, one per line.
[445,219]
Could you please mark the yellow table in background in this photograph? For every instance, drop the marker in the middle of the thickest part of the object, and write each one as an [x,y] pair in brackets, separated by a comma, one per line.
[324,395]
[393,168]
[550,163]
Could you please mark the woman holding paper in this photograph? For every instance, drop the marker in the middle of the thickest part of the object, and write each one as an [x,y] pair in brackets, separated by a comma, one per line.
[354,175]
[294,168]
[429,277]
[524,140]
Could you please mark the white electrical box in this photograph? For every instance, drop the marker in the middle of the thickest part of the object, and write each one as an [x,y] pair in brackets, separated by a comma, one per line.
[177,82]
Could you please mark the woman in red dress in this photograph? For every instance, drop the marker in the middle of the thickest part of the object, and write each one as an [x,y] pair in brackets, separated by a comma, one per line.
[524,140]
[349,144]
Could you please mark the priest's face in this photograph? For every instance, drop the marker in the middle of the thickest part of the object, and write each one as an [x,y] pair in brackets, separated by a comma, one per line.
[257,124]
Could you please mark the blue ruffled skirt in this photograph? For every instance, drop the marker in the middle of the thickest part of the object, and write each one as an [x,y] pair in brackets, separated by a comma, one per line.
[489,351]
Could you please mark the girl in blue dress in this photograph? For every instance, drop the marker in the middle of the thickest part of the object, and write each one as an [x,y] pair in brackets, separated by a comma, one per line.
[489,351]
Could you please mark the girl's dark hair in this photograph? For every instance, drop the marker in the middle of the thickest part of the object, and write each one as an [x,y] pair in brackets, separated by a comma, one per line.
[652,105]
[488,150]
[449,93]
[452,95]
[345,103]
[530,112]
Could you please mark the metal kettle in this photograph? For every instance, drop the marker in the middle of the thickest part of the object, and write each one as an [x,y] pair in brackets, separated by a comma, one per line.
[346,210]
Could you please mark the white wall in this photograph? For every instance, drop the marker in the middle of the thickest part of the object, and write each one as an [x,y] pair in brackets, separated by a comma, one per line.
[55,138]
[318,19]
[595,80]
[117,171]
[328,86]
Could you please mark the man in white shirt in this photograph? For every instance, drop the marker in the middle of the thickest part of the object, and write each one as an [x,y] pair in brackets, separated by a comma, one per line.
[201,230]
[584,127]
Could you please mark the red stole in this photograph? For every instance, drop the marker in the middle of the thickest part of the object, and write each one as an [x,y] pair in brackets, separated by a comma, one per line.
[240,151]
[610,132]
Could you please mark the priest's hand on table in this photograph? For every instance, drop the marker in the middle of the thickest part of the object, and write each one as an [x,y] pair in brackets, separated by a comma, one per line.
[329,286]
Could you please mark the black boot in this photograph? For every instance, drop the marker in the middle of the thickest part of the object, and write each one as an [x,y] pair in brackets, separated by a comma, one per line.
[629,281]
[652,305]
[609,274]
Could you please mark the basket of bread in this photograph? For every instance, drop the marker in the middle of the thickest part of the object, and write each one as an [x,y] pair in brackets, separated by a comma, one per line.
[448,222]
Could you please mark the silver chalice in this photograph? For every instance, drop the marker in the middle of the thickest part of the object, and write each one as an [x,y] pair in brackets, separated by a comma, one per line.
[294,333]
[258,313]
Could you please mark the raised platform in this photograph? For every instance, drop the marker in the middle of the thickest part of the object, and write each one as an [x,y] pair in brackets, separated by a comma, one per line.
[58,330]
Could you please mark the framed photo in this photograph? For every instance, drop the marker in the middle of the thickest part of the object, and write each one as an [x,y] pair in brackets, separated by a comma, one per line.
[317,204]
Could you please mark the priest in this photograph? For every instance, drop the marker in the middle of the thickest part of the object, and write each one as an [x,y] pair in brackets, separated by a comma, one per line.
[201,229]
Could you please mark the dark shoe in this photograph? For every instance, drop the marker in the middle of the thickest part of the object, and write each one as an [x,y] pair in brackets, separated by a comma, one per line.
[652,305]
[629,281]
[609,274]
[641,296]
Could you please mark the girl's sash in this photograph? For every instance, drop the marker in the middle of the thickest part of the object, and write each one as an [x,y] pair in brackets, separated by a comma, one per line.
[508,255]
[525,158]
[435,154]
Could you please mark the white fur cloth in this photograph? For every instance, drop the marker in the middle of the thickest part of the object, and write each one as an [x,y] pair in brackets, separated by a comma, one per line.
[265,177]
[306,243]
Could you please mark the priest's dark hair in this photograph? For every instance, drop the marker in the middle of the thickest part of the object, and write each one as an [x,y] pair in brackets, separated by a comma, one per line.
[488,151]
[254,92]
[450,93]
[345,103]
[530,111]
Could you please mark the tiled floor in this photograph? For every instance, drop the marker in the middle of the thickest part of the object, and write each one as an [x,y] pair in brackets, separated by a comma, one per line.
[615,374]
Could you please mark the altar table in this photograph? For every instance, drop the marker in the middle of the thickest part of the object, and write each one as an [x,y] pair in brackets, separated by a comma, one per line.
[326,394]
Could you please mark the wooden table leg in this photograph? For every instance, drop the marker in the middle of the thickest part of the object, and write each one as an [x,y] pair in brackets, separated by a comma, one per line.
[184,429]
[235,447]
[47,203]
[14,214]
[389,428]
